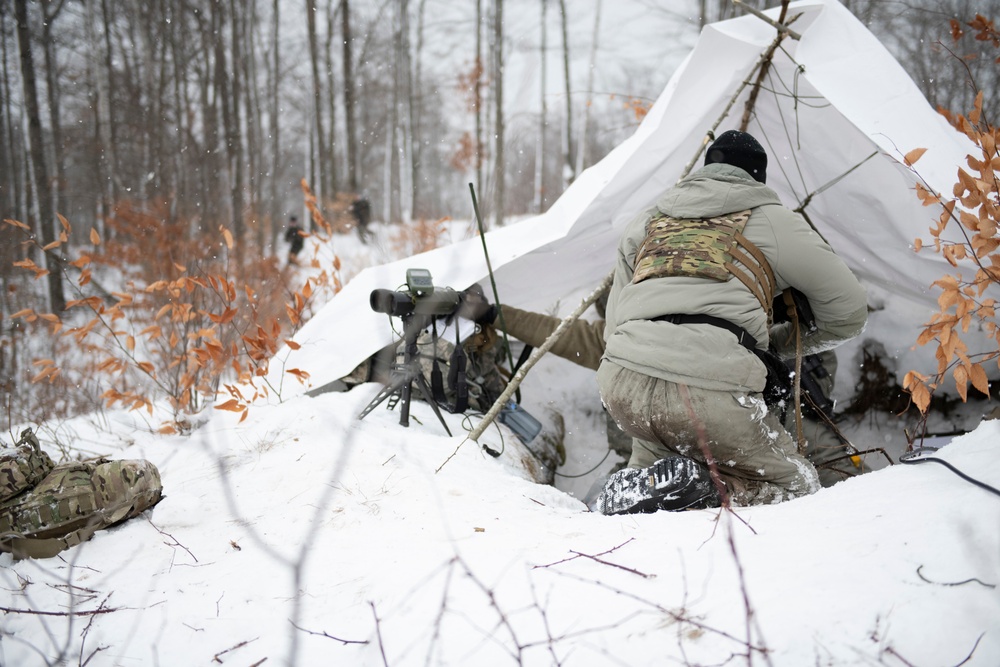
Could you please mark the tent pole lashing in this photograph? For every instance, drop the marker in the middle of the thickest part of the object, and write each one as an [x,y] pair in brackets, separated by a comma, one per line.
[765,65]
[781,27]
[760,66]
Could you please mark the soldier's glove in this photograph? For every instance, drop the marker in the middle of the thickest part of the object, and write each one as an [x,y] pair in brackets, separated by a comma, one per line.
[473,305]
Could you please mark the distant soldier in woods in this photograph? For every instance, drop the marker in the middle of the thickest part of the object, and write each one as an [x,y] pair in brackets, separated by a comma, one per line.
[361,210]
[294,237]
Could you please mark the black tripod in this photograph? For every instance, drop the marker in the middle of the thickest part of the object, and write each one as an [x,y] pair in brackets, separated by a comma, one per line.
[402,376]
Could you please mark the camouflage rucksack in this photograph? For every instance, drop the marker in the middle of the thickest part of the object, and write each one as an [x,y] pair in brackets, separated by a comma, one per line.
[22,466]
[72,502]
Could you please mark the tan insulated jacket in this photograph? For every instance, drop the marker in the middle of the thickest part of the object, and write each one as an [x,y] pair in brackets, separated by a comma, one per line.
[582,343]
[704,355]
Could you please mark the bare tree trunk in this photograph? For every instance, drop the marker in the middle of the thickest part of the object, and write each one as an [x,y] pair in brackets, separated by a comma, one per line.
[49,15]
[46,217]
[254,131]
[321,155]
[349,101]
[227,96]
[12,177]
[183,200]
[417,114]
[95,98]
[581,145]
[209,82]
[234,138]
[499,170]
[111,126]
[542,119]
[160,160]
[568,176]
[478,92]
[276,213]
[404,112]
[331,97]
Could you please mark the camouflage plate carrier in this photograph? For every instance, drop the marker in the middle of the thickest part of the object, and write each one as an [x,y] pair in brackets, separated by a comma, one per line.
[713,248]
[71,502]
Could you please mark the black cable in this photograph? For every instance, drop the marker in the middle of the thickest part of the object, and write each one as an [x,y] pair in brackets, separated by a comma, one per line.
[467,424]
[912,457]
[584,474]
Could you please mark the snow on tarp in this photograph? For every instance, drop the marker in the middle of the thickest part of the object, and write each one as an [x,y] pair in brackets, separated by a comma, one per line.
[836,114]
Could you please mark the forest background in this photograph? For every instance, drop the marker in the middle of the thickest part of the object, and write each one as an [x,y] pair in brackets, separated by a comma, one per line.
[173,137]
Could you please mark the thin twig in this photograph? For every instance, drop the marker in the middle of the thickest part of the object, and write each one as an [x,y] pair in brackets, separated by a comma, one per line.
[215,658]
[90,612]
[566,560]
[620,567]
[702,437]
[166,534]
[378,635]
[504,621]
[974,647]
[329,636]
[83,635]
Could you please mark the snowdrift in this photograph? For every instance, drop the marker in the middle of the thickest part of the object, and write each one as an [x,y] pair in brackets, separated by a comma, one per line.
[305,537]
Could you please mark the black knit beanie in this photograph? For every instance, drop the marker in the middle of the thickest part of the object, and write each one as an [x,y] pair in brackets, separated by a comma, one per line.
[740,150]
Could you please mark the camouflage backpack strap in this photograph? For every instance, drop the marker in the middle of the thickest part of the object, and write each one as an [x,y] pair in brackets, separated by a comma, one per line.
[713,248]
[23,466]
[763,283]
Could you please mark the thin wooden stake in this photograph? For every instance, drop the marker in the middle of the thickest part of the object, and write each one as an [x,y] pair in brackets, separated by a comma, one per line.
[537,354]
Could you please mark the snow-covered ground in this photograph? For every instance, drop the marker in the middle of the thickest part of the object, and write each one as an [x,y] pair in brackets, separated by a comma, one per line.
[305,536]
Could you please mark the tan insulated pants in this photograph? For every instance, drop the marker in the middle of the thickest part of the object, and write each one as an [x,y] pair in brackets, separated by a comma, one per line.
[755,455]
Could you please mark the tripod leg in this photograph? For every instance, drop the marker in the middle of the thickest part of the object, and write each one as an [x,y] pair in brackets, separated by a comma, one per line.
[426,391]
[395,384]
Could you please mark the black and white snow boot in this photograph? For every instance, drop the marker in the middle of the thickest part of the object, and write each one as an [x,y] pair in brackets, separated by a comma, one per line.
[672,484]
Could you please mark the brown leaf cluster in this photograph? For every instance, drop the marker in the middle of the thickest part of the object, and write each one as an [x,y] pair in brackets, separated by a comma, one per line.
[973,210]
[187,320]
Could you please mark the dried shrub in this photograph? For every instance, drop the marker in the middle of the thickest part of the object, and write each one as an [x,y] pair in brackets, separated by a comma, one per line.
[419,236]
[973,211]
[186,324]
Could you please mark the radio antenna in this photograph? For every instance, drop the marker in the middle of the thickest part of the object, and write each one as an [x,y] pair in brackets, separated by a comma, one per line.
[493,282]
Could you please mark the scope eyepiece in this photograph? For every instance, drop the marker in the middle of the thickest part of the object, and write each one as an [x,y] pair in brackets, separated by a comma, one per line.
[396,304]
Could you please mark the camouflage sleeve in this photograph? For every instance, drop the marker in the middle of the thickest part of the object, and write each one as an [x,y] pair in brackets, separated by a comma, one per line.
[582,343]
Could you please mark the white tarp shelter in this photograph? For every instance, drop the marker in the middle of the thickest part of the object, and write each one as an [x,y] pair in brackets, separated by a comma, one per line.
[836,114]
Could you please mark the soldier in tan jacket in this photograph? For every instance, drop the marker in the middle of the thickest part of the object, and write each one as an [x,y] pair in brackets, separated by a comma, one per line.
[688,316]
[583,344]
